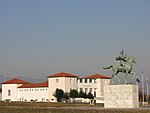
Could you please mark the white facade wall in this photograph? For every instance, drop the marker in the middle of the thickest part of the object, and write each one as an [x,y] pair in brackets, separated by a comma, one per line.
[70,83]
[96,85]
[100,89]
[53,84]
[64,83]
[0,96]
[10,92]
[38,94]
[86,86]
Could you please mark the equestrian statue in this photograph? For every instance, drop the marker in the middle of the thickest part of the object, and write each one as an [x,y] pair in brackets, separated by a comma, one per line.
[125,67]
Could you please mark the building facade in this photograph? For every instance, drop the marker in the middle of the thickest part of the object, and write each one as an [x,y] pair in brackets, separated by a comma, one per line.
[0,94]
[20,90]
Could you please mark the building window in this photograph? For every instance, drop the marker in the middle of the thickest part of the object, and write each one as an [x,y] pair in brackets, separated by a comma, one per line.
[9,92]
[86,90]
[94,80]
[43,99]
[81,89]
[90,89]
[85,80]
[57,80]
[80,80]
[90,81]
[94,93]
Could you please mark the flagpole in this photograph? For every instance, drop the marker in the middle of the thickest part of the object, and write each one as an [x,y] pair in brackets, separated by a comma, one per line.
[142,85]
[147,88]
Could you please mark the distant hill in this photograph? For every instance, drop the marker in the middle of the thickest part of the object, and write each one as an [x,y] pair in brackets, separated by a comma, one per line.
[28,79]
[32,80]
[1,78]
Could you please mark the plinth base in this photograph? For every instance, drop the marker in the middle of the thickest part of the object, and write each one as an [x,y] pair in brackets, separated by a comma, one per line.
[121,96]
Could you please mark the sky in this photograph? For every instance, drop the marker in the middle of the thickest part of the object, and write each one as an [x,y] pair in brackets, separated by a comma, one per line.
[43,37]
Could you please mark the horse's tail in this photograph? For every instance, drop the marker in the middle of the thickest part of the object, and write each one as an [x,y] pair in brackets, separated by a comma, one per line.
[108,67]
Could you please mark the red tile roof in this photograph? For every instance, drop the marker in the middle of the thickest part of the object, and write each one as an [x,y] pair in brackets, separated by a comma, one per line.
[62,74]
[43,84]
[97,76]
[15,81]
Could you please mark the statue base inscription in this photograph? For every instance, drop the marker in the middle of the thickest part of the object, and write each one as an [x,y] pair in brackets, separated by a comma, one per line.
[121,96]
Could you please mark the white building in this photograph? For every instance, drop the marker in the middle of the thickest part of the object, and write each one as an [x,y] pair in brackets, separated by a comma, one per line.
[20,90]
[36,92]
[0,94]
[95,84]
[63,81]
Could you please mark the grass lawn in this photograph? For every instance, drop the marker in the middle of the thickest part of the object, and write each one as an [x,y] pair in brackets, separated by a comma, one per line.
[25,107]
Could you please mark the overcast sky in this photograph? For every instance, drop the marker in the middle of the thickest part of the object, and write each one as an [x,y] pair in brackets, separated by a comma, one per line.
[42,37]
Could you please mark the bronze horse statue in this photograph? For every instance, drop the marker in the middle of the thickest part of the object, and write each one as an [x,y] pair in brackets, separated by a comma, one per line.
[125,68]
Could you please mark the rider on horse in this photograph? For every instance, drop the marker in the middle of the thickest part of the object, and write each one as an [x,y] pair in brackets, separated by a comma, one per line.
[125,66]
[122,57]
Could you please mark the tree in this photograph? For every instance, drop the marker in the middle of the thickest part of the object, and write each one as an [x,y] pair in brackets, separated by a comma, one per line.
[85,95]
[59,93]
[66,96]
[73,94]
[81,94]
[148,99]
[90,95]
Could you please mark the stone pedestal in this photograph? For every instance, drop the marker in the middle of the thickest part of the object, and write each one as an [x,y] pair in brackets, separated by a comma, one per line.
[121,96]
